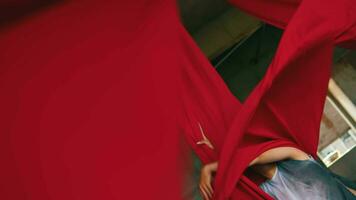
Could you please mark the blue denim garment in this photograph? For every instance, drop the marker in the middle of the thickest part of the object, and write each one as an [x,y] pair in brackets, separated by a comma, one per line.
[305,180]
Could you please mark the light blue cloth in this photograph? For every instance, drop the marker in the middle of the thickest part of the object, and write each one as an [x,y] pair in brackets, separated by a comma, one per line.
[305,180]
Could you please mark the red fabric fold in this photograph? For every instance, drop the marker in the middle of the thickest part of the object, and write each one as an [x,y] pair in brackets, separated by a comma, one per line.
[287,104]
[94,96]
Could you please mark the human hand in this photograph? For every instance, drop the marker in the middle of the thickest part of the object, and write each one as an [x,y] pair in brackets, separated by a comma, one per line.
[205,140]
[206,176]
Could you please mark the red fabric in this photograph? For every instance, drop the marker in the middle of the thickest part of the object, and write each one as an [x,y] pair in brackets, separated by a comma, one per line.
[94,99]
[89,107]
[94,96]
[287,104]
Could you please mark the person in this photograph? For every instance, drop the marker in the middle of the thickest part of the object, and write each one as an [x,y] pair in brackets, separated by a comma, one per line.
[290,174]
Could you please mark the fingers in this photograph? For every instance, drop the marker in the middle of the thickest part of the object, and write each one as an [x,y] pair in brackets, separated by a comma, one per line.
[206,188]
[205,185]
[207,194]
[210,190]
[203,192]
[204,137]
[201,142]
[201,130]
[210,145]
[206,142]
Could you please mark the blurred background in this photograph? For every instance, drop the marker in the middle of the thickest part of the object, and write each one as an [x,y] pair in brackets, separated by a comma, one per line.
[241,47]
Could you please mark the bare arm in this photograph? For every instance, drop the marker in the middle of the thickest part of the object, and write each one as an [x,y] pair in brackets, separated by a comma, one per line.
[351,190]
[270,156]
[279,153]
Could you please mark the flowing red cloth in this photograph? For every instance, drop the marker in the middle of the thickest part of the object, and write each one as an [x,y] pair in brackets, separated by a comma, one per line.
[286,106]
[94,96]
[88,101]
[94,99]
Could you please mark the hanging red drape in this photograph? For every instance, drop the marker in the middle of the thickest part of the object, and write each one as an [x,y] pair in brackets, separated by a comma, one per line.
[89,102]
[94,99]
[286,106]
[94,96]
